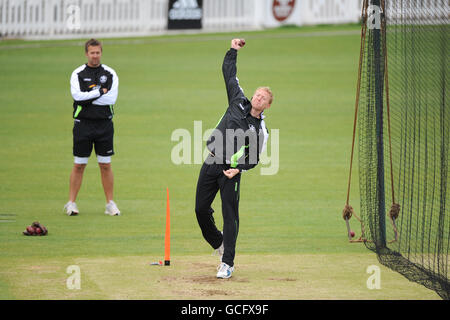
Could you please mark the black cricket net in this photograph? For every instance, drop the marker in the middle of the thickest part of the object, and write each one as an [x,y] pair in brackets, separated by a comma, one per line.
[403,136]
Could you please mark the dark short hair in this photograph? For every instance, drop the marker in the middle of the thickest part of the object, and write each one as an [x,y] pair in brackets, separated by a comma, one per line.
[93,43]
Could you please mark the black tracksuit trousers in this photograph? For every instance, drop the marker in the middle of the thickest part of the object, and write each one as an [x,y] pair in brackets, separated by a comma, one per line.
[211,180]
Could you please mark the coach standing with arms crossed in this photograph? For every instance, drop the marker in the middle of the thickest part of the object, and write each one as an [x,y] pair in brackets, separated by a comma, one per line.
[94,88]
[235,146]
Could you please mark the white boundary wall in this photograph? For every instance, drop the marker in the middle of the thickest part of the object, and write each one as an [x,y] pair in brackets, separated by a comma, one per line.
[83,18]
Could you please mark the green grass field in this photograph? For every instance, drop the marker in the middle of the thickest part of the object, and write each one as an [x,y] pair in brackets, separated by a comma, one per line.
[292,241]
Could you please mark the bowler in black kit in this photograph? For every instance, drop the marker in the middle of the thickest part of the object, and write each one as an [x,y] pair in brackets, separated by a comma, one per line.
[235,145]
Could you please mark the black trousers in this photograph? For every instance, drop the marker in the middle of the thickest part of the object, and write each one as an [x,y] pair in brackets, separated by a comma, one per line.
[211,180]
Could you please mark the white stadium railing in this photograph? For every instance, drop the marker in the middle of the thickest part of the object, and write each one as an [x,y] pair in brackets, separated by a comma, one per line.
[69,18]
[330,11]
[231,14]
[80,18]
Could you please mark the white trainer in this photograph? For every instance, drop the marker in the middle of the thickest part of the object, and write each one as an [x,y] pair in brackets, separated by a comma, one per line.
[224,271]
[71,208]
[111,209]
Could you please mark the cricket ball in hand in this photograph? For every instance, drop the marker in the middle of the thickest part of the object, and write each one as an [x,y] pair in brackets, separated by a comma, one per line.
[242,43]
[352,233]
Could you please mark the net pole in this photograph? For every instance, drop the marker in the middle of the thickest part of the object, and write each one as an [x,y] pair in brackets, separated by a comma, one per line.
[378,61]
[167,236]
[386,86]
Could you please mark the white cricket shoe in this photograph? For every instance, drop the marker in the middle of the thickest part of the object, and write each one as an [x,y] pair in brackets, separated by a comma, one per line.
[71,208]
[111,209]
[224,271]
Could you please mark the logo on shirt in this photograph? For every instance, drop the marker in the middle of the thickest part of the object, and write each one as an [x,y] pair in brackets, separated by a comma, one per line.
[103,79]
[251,127]
[87,79]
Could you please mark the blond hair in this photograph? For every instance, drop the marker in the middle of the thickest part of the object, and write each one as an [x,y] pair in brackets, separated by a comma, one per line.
[267,89]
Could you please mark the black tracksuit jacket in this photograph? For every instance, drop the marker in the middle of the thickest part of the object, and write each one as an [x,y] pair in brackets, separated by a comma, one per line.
[86,85]
[238,138]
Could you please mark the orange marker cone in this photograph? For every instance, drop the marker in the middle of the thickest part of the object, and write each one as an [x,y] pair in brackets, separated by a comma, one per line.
[167,238]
